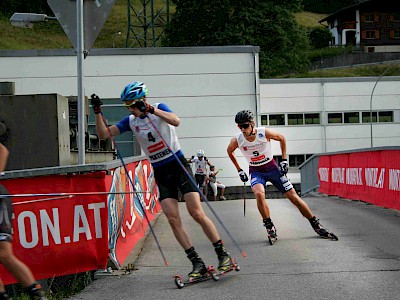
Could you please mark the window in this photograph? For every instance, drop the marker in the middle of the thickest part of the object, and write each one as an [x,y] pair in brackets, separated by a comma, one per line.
[335,118]
[295,119]
[394,34]
[278,158]
[312,118]
[276,120]
[366,117]
[385,116]
[370,34]
[308,156]
[369,17]
[396,17]
[351,117]
[264,120]
[296,160]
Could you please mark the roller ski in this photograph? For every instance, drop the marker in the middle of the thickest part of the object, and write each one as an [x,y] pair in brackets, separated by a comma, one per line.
[227,264]
[321,231]
[271,231]
[197,275]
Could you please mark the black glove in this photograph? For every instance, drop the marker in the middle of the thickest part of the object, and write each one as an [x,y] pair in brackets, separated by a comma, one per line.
[144,107]
[96,103]
[243,176]
[284,166]
[192,157]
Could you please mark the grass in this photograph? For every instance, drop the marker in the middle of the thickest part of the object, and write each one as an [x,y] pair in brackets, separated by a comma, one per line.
[309,19]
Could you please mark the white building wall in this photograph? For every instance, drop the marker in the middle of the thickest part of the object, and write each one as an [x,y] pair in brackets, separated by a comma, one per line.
[324,95]
[205,86]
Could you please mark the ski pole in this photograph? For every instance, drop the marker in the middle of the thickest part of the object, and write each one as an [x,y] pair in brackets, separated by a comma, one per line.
[133,186]
[244,199]
[244,254]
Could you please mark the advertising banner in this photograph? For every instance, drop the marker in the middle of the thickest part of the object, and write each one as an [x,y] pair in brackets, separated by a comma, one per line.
[130,211]
[59,235]
[372,176]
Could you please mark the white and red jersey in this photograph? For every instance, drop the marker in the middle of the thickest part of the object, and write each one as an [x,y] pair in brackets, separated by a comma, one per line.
[200,166]
[150,141]
[257,152]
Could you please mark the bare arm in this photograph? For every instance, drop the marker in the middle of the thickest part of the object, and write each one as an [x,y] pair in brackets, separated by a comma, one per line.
[272,134]
[3,157]
[233,145]
[102,130]
[169,117]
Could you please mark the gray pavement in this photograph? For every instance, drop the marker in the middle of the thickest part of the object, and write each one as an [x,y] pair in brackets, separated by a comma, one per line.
[363,264]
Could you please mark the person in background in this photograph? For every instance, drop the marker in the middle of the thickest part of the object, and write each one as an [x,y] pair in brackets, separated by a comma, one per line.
[200,168]
[154,129]
[255,144]
[215,184]
[16,267]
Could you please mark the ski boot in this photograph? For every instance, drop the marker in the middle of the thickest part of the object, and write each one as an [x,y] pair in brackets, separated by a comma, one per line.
[321,231]
[199,269]
[271,231]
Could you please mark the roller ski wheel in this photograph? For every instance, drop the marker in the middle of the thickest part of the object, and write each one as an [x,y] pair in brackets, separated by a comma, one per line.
[332,236]
[233,267]
[211,274]
[272,237]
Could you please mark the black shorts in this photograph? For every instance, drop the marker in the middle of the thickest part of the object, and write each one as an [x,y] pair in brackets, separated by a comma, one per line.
[171,177]
[6,211]
[200,179]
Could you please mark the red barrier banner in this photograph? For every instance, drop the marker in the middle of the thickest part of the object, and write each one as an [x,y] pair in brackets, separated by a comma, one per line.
[130,212]
[62,235]
[371,176]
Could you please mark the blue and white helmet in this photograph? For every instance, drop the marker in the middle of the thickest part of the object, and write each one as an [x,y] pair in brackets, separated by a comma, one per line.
[133,91]
[200,153]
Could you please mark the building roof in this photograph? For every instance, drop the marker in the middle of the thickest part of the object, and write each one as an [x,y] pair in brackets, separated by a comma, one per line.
[347,8]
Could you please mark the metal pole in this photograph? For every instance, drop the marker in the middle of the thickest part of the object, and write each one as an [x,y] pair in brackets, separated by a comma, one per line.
[81,96]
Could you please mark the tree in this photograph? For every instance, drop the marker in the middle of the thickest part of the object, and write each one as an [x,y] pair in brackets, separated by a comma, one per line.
[320,37]
[8,7]
[269,24]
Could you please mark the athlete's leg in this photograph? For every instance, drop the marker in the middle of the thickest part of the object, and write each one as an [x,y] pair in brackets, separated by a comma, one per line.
[299,203]
[259,193]
[195,209]
[214,189]
[171,211]
[17,268]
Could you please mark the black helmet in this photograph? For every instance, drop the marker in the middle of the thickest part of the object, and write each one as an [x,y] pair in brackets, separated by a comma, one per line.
[243,116]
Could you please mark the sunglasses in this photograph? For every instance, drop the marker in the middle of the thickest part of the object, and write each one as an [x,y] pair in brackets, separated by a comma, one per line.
[245,125]
[132,105]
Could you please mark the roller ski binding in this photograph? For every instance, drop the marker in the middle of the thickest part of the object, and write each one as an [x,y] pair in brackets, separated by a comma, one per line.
[227,264]
[197,275]
[321,231]
[271,232]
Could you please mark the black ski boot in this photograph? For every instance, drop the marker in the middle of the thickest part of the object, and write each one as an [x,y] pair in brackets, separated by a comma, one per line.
[320,230]
[271,231]
[199,268]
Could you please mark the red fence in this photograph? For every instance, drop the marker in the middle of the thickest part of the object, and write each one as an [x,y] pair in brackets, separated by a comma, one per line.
[371,176]
[67,234]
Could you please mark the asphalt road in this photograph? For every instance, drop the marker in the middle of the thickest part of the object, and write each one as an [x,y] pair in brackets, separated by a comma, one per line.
[363,264]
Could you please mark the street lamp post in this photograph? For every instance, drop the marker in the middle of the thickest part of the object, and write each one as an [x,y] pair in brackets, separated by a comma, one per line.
[116,35]
[27,19]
